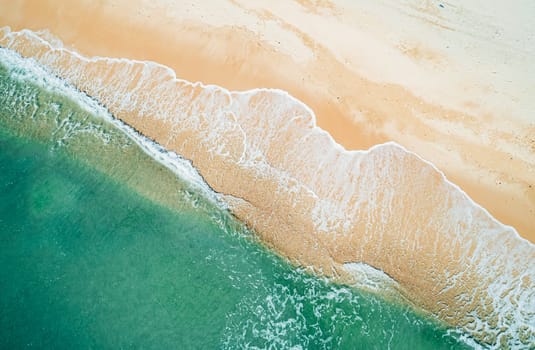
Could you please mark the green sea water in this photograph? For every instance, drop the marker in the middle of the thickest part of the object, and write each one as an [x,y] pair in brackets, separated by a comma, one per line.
[102,247]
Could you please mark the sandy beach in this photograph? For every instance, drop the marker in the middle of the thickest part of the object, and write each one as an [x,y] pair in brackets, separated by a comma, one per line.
[315,175]
[459,100]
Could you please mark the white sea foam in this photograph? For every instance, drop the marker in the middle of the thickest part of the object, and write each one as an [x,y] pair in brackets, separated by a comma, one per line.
[371,278]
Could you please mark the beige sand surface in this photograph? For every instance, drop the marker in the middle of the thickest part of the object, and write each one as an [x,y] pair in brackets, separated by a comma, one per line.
[453,83]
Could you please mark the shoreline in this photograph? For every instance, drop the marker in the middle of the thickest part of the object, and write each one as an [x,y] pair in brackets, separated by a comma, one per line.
[253,146]
[386,206]
[495,178]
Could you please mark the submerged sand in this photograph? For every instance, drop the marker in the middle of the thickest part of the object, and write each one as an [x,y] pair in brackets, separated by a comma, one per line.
[306,196]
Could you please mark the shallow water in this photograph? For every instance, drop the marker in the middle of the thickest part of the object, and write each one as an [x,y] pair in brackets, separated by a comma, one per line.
[103,247]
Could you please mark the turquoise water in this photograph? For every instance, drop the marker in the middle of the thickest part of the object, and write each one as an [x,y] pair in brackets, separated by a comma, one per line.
[103,247]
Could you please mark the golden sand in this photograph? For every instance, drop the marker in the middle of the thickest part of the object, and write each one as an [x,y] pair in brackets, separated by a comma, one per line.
[308,198]
[489,153]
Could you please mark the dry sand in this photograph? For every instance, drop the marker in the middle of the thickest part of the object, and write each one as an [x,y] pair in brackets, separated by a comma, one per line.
[452,83]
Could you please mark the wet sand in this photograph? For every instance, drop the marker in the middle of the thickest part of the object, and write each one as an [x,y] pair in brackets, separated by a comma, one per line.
[364,87]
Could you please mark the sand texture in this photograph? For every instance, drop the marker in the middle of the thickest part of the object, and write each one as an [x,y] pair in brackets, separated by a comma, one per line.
[453,84]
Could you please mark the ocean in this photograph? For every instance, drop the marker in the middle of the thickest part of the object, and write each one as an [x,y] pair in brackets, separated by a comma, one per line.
[108,241]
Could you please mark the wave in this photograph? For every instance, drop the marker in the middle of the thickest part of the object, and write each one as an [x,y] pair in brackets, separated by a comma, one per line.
[29,71]
[316,203]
